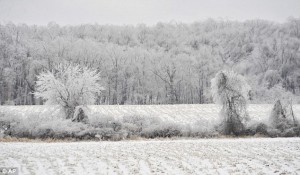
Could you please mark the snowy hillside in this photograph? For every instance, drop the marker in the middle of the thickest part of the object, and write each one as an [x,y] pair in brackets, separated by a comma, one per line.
[207,156]
[184,114]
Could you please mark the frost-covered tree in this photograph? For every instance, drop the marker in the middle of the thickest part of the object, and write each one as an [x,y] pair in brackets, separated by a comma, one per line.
[137,62]
[282,116]
[231,90]
[69,86]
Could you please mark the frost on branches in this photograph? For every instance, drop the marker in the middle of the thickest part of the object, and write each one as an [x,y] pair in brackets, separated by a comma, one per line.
[282,116]
[232,91]
[69,86]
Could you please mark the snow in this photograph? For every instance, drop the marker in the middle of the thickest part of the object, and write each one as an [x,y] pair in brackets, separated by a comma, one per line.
[202,156]
[33,110]
[183,114]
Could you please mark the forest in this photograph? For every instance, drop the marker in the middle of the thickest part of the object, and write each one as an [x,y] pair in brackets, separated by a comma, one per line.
[168,63]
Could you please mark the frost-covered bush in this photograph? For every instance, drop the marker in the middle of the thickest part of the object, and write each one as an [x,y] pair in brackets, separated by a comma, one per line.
[105,122]
[150,127]
[136,124]
[69,86]
[107,127]
[4,128]
[199,129]
[37,127]
[282,117]
[261,128]
[101,134]
[162,130]
[100,127]
[231,91]
[60,128]
[256,128]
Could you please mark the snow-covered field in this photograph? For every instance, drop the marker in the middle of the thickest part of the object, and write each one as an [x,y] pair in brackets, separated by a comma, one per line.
[204,156]
[183,114]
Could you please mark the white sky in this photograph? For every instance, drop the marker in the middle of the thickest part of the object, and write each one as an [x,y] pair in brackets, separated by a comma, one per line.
[150,12]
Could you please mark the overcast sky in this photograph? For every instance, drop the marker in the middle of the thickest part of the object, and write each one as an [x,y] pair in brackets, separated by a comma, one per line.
[150,12]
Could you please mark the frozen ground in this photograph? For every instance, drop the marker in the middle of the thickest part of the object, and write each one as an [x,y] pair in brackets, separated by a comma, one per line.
[204,156]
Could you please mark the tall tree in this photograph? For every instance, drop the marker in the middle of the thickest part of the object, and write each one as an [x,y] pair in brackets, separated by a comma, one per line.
[231,90]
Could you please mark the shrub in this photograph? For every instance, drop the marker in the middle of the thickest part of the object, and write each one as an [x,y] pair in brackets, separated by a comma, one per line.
[261,128]
[291,132]
[280,119]
[135,124]
[162,130]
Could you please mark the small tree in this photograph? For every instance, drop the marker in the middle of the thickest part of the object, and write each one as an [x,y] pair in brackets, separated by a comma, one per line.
[231,90]
[282,116]
[69,86]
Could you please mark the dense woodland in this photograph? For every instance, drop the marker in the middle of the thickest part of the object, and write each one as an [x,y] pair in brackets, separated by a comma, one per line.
[169,63]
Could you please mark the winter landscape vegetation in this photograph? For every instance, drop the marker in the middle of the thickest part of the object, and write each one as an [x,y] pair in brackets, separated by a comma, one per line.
[209,97]
[231,64]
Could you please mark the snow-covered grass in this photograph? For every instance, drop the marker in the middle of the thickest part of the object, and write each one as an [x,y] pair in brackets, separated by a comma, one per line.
[204,156]
[183,114]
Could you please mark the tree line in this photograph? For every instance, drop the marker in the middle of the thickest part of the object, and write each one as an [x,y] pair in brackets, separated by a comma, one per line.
[168,63]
